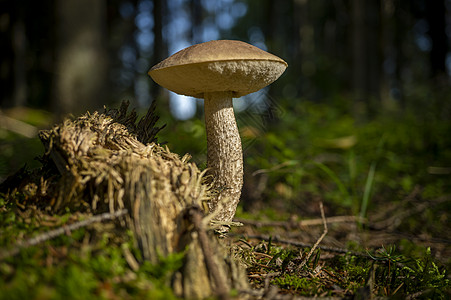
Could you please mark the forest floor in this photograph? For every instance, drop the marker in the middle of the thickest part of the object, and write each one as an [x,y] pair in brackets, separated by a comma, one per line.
[340,257]
[329,257]
[302,236]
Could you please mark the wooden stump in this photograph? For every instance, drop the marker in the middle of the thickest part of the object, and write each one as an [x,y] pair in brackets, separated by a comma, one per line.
[103,166]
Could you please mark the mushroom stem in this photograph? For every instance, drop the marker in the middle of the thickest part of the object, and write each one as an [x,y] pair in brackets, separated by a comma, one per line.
[224,153]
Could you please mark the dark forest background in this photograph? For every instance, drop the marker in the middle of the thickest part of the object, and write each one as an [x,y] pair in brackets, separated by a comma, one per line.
[73,55]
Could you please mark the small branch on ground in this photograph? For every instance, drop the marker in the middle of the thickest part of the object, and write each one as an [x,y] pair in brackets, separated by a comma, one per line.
[60,231]
[277,239]
[306,259]
[401,212]
[296,224]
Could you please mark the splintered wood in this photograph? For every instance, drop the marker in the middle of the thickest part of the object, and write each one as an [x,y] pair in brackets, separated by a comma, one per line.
[103,166]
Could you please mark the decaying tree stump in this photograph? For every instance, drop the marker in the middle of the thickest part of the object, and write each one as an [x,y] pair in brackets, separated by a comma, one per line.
[104,166]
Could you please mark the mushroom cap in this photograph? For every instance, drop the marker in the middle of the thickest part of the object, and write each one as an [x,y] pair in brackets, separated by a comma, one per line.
[218,66]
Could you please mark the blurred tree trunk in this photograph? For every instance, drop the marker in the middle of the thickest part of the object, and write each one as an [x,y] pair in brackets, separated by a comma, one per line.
[436,16]
[13,40]
[81,68]
[400,59]
[270,27]
[305,31]
[270,30]
[374,54]
[358,50]
[20,49]
[388,53]
[160,48]
[196,21]
[366,45]
[393,26]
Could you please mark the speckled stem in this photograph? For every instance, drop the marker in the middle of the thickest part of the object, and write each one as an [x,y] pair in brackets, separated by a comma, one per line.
[224,152]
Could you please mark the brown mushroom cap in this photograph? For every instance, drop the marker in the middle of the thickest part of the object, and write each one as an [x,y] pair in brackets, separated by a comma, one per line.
[218,66]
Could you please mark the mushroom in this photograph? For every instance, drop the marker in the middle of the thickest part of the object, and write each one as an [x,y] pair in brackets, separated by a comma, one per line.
[218,71]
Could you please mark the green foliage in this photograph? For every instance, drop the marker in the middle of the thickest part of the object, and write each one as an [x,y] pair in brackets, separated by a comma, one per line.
[16,150]
[184,136]
[165,268]
[392,273]
[410,276]
[386,272]
[96,276]
[320,150]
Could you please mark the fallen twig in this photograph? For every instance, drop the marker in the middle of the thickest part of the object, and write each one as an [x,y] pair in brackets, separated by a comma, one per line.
[297,224]
[277,239]
[48,235]
[306,259]
[401,213]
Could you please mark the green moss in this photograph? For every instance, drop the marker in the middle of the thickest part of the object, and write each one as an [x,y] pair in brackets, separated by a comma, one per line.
[83,265]
[302,285]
